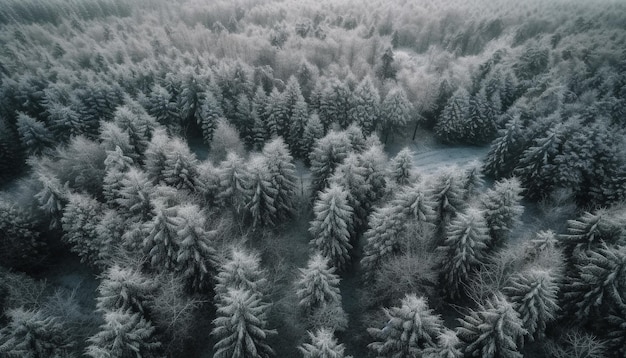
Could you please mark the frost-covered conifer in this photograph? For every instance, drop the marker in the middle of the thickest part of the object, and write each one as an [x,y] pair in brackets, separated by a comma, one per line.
[502,208]
[472,179]
[374,162]
[327,154]
[365,106]
[492,330]
[505,150]
[155,156]
[533,294]
[395,111]
[64,121]
[242,270]
[234,182]
[261,194]
[589,232]
[464,248]
[180,168]
[241,326]
[33,334]
[402,167]
[277,114]
[448,346]
[112,136]
[35,137]
[452,124]
[331,226]
[323,345]
[600,284]
[208,115]
[383,237]
[335,104]
[124,334]
[80,219]
[133,196]
[161,238]
[116,165]
[351,177]
[134,120]
[448,194]
[196,257]
[51,198]
[318,285]
[297,127]
[412,328]
[124,289]
[313,131]
[282,176]
[244,120]
[162,107]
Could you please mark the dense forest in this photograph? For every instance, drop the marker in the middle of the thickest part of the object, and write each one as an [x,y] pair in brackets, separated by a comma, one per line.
[244,178]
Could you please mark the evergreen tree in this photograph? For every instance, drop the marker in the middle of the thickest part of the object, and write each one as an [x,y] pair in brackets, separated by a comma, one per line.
[318,285]
[124,334]
[356,137]
[241,271]
[464,249]
[365,106]
[387,71]
[448,195]
[112,136]
[240,326]
[335,104]
[492,330]
[473,179]
[124,289]
[327,154]
[534,296]
[244,120]
[155,156]
[395,111]
[600,284]
[80,219]
[282,175]
[20,241]
[505,150]
[277,113]
[133,196]
[33,334]
[313,131]
[208,115]
[297,126]
[234,182]
[180,167]
[502,209]
[448,345]
[51,198]
[116,165]
[412,328]
[261,194]
[590,232]
[35,137]
[161,105]
[134,120]
[350,176]
[481,125]
[402,167]
[196,257]
[64,121]
[617,331]
[161,241]
[452,125]
[374,162]
[323,345]
[331,225]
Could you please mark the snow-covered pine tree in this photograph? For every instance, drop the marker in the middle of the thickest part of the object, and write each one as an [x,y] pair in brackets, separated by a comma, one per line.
[51,198]
[492,330]
[599,286]
[383,238]
[112,136]
[297,126]
[331,226]
[452,124]
[155,156]
[617,330]
[335,104]
[402,167]
[133,196]
[80,218]
[448,194]
[134,120]
[116,165]
[241,326]
[313,131]
[502,209]
[161,105]
[36,139]
[64,121]
[358,141]
[282,175]
[395,112]
[244,120]
[375,163]
[590,232]
[234,182]
[505,150]
[124,334]
[33,334]
[351,177]
[261,193]
[161,238]
[277,114]
[448,346]
[196,257]
[259,132]
[124,289]
[317,285]
[480,127]
[327,154]
[180,168]
[533,294]
[208,114]
[464,248]
[473,179]
[242,270]
[323,345]
[365,106]
[412,328]
[536,168]
[415,204]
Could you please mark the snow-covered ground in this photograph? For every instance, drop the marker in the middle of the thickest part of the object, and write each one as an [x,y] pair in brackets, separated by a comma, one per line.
[432,160]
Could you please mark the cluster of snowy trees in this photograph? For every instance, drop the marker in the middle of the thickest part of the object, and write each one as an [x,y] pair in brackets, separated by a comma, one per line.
[164,157]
